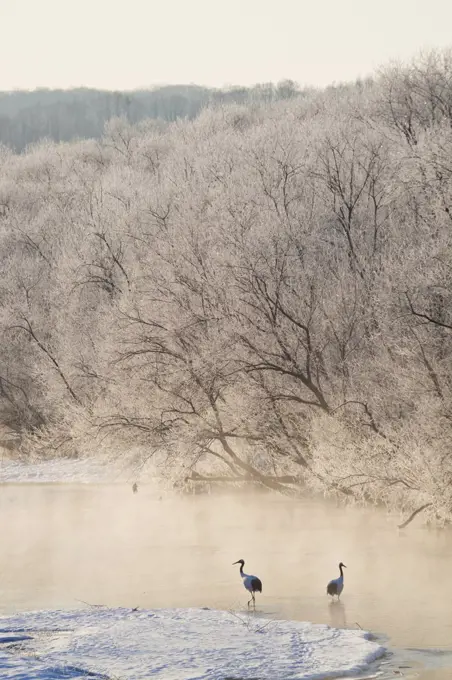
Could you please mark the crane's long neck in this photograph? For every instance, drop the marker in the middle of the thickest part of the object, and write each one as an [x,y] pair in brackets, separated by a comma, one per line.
[342,573]
[242,573]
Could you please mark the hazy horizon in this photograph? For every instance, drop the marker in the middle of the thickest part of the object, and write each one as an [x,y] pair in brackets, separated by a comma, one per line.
[142,44]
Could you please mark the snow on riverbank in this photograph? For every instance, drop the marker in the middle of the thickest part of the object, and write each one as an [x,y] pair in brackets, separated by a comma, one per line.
[83,471]
[176,644]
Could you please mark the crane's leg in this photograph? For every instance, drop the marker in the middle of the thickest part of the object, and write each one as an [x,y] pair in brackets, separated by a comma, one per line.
[254,601]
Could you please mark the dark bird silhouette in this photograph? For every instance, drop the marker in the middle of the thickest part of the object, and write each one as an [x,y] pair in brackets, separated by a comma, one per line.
[336,586]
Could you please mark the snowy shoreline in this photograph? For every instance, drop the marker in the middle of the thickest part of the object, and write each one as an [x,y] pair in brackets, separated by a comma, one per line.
[63,471]
[182,644]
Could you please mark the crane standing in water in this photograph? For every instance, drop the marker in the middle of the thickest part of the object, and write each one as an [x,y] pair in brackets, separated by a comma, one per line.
[251,583]
[336,586]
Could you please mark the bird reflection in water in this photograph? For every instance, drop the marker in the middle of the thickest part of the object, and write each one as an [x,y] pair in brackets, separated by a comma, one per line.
[338,614]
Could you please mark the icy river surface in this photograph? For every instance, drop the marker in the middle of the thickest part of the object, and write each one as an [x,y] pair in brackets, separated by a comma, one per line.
[68,546]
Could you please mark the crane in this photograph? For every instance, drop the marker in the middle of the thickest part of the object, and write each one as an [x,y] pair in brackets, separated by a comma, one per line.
[251,583]
[336,586]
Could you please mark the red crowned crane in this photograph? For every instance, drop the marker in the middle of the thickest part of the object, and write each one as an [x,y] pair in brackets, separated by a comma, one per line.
[336,586]
[251,583]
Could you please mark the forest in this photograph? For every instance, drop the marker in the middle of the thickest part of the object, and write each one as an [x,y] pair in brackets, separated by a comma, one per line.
[260,294]
[27,117]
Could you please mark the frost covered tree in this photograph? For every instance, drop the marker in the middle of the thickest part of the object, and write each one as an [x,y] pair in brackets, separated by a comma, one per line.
[260,295]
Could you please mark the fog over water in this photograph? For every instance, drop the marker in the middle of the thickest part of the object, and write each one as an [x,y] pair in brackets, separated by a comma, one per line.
[105,545]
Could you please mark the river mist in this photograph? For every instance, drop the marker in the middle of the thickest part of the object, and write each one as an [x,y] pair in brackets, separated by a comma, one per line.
[63,545]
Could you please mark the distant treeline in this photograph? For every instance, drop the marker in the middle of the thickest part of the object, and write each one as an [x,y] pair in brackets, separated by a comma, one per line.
[65,115]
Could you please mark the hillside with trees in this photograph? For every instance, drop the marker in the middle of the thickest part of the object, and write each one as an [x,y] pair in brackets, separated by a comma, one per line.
[261,294]
[27,117]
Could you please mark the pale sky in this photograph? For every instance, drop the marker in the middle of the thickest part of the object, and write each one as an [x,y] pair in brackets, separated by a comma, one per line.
[125,44]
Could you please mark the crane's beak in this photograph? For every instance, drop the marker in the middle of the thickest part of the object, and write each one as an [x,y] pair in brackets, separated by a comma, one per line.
[238,562]
[344,566]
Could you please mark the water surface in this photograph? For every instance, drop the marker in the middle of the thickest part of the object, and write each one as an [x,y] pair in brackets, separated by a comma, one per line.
[62,544]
